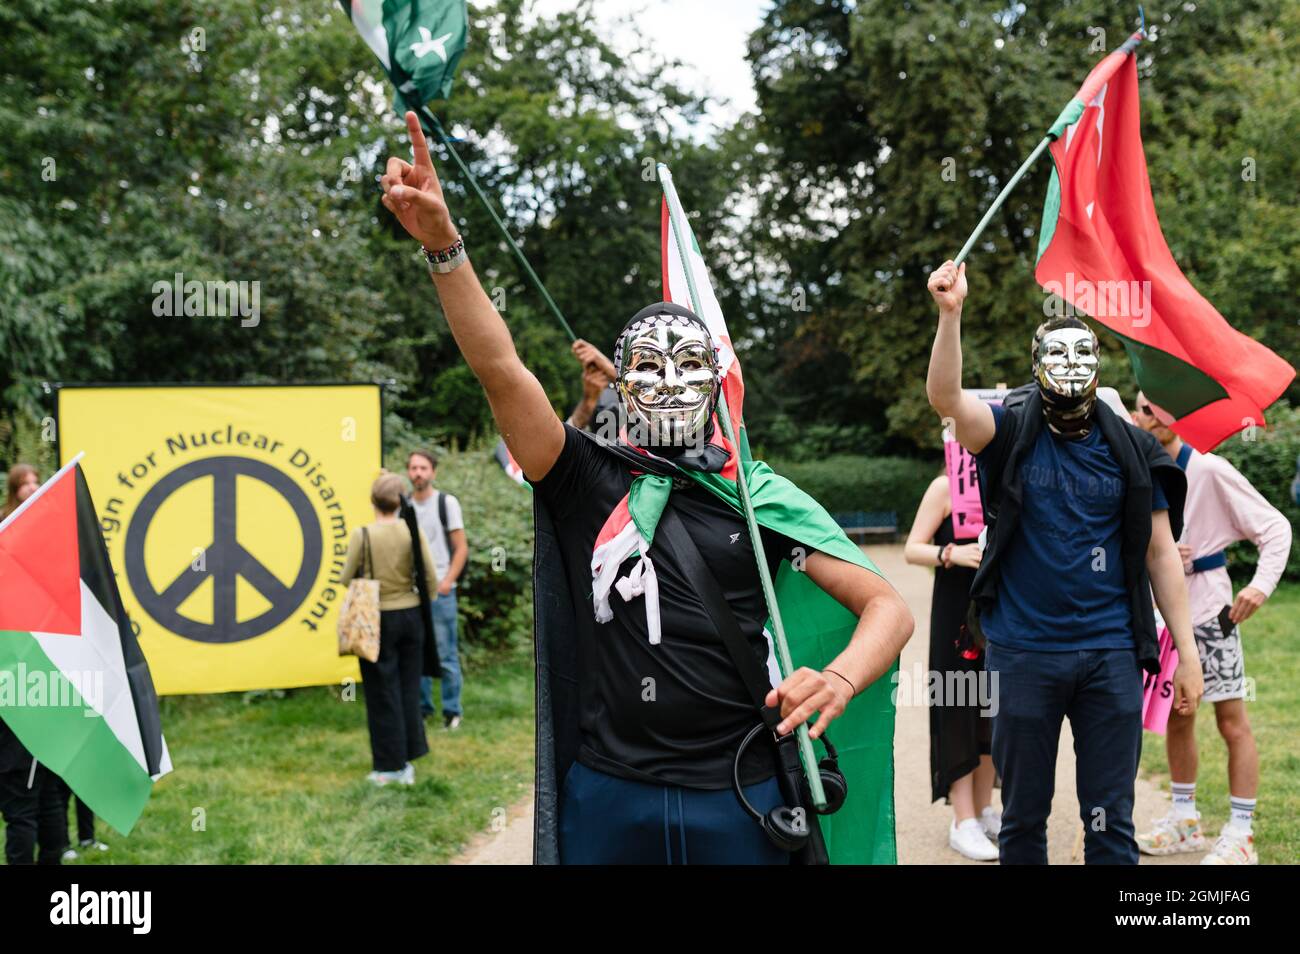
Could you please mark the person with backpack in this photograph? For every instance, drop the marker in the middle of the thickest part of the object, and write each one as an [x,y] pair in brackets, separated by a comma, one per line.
[1082,510]
[440,518]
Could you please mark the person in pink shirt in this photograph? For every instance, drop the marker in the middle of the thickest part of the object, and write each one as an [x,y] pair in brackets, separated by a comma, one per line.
[1222,508]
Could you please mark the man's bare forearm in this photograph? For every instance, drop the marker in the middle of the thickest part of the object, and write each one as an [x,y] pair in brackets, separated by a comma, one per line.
[582,412]
[943,381]
[1165,568]
[883,630]
[459,556]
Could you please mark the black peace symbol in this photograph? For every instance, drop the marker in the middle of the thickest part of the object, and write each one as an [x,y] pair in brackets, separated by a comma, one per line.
[225,559]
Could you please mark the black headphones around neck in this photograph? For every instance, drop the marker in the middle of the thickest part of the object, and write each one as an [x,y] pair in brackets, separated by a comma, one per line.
[786,827]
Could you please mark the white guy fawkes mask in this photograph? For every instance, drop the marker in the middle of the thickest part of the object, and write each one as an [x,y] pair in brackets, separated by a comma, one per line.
[668,380]
[1065,362]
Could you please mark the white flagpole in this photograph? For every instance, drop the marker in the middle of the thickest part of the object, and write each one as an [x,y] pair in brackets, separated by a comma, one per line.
[676,220]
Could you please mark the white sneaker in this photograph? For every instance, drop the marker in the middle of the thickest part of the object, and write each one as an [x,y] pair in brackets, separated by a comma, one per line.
[407,775]
[69,855]
[1172,836]
[391,778]
[968,839]
[991,821]
[1234,847]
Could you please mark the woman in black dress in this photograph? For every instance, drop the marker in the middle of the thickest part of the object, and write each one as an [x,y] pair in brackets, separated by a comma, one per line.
[961,768]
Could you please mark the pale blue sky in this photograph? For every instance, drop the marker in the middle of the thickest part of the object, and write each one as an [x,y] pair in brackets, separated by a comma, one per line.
[708,36]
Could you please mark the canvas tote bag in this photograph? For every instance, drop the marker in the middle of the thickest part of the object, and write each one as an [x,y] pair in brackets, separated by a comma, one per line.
[359,616]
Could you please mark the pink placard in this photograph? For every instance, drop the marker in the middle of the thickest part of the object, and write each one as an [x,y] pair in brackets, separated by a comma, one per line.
[964,486]
[1158,692]
[963,479]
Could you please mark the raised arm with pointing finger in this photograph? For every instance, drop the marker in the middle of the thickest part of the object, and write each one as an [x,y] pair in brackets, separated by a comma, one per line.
[523,414]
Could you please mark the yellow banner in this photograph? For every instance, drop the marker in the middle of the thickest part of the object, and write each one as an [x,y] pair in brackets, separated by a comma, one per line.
[227,512]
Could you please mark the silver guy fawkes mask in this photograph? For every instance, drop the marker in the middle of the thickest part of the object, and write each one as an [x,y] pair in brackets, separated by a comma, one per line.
[1065,361]
[1065,366]
[667,378]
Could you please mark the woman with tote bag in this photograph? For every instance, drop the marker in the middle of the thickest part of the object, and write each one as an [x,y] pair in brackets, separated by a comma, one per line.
[383,551]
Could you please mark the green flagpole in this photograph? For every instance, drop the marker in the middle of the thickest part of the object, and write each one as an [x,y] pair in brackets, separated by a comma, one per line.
[675,217]
[1068,115]
[436,127]
[1002,197]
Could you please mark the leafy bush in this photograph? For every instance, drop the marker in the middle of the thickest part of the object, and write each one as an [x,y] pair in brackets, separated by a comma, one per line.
[496,598]
[1268,459]
[853,482]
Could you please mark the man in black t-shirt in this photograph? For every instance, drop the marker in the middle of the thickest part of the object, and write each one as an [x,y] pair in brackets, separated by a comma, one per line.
[661,708]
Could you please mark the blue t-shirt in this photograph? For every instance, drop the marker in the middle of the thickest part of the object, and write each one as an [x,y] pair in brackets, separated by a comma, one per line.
[1062,581]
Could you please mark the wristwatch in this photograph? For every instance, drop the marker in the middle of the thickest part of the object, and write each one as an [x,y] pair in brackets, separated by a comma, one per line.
[446,260]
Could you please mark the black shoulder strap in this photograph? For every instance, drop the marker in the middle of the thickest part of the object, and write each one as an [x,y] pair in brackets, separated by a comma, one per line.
[442,521]
[694,568]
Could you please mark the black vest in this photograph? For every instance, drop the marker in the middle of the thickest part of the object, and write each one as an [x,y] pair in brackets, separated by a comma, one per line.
[1142,460]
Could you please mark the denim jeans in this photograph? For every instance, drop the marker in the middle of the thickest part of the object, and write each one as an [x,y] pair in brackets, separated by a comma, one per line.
[1100,691]
[606,820]
[444,631]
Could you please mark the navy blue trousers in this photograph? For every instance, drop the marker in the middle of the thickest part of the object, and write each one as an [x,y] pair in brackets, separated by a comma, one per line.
[1100,692]
[606,820]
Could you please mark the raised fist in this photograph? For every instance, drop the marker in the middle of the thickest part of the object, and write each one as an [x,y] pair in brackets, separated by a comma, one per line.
[947,286]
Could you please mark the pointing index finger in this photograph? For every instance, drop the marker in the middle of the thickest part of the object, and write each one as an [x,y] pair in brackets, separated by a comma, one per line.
[418,142]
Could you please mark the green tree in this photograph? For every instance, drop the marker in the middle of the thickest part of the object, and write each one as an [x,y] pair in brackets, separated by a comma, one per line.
[888,128]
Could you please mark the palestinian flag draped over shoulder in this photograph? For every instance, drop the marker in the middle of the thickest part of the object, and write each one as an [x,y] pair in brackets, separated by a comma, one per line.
[419,43]
[819,628]
[1101,249]
[74,686]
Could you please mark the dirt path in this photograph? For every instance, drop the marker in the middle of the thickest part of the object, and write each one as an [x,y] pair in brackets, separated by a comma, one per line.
[922,826]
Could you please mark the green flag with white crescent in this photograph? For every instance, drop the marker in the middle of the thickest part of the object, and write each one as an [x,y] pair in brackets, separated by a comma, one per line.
[419,43]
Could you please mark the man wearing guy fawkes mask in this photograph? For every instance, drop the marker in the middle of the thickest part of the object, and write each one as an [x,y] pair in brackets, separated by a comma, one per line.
[640,708]
[660,708]
[1082,511]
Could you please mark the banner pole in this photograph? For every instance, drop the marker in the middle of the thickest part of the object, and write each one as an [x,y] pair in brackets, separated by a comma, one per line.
[675,216]
[436,126]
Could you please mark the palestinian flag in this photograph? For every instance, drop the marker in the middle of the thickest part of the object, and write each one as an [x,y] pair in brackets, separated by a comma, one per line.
[678,292]
[418,42]
[620,537]
[507,461]
[74,686]
[1101,249]
[818,627]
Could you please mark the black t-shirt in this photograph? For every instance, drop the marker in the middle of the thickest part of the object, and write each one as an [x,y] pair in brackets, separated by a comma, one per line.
[684,726]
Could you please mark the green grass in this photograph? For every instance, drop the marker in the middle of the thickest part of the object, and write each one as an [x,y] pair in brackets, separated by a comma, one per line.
[1270,644]
[283,780]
